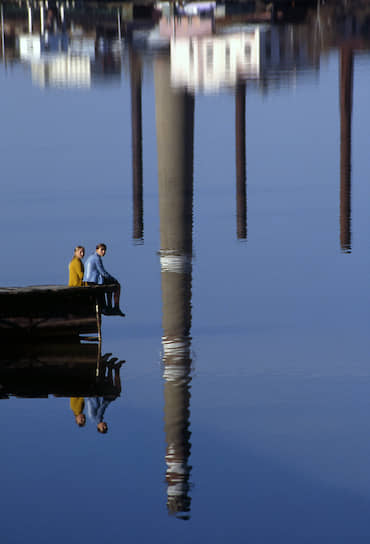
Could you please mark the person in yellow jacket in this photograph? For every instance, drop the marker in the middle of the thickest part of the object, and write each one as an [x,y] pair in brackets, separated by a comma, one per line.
[77,406]
[76,267]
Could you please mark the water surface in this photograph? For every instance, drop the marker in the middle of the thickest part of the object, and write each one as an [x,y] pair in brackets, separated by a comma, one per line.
[243,251]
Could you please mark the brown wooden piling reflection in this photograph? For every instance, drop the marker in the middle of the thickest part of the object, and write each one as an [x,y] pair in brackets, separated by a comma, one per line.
[137,143]
[175,135]
[241,183]
[346,91]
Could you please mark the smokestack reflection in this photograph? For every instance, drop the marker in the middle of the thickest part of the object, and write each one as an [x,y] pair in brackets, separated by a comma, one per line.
[241,184]
[137,144]
[175,129]
[346,91]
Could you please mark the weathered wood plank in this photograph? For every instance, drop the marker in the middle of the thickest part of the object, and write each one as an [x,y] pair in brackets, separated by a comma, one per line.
[59,289]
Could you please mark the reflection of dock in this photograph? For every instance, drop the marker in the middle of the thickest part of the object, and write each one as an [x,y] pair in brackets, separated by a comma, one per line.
[68,369]
[51,310]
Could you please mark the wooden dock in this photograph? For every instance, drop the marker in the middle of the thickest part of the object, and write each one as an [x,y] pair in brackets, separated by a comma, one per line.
[51,311]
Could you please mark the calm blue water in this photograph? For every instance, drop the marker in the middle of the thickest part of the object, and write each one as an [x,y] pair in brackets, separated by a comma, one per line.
[247,377]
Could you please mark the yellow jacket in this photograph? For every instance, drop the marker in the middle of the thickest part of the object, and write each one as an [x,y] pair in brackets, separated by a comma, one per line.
[76,272]
[77,405]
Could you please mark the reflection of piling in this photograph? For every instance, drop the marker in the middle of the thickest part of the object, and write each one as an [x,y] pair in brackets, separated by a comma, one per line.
[2,32]
[241,186]
[176,417]
[175,128]
[42,19]
[346,89]
[137,144]
[29,13]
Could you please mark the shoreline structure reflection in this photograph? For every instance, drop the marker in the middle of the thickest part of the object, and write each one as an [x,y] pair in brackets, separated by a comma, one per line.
[205,53]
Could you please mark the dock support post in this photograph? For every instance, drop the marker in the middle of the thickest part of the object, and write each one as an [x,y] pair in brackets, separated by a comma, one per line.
[98,319]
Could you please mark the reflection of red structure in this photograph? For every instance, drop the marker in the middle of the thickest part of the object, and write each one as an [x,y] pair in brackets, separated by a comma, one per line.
[182,27]
[137,144]
[346,91]
[241,185]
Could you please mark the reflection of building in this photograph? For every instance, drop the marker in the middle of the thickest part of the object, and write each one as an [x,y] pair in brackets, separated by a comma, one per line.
[52,61]
[60,60]
[252,52]
[215,61]
[62,71]
[33,46]
[180,27]
[175,128]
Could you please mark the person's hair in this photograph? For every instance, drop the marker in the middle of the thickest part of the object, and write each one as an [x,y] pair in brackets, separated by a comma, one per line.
[103,246]
[77,248]
[81,423]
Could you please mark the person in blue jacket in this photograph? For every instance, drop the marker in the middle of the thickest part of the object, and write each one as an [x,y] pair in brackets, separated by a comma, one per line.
[95,274]
[96,407]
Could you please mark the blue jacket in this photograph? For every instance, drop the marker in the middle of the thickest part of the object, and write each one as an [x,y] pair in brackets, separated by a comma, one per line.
[95,271]
[96,407]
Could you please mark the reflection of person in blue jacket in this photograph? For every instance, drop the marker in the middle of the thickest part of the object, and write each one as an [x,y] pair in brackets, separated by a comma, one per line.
[95,273]
[108,388]
[96,407]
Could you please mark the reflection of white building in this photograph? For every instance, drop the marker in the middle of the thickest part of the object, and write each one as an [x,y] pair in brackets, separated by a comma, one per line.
[29,46]
[33,46]
[216,61]
[62,71]
[256,52]
[58,60]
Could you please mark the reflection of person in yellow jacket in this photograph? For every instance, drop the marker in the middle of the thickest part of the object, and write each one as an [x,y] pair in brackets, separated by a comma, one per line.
[76,267]
[77,407]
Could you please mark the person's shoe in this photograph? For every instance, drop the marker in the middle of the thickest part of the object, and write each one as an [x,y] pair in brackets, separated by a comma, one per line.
[118,311]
